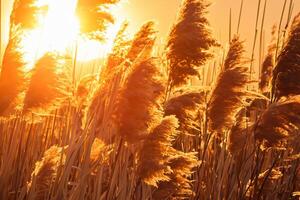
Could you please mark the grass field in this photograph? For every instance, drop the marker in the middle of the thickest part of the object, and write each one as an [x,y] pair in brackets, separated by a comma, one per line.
[187,119]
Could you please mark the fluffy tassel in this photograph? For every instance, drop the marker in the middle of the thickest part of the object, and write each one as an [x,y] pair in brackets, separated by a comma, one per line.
[267,182]
[279,123]
[179,186]
[120,49]
[48,85]
[287,71]
[138,108]
[45,172]
[155,153]
[268,65]
[12,76]
[142,42]
[189,42]
[239,134]
[186,107]
[229,94]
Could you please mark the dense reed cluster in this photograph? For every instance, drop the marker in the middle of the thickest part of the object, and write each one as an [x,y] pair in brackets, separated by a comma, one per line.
[144,127]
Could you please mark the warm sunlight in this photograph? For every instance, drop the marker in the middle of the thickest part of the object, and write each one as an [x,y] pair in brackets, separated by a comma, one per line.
[150,100]
[59,31]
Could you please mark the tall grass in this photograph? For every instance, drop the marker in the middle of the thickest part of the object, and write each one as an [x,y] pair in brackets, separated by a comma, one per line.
[140,128]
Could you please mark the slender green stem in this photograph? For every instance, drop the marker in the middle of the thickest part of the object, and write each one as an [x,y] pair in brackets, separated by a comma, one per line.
[230,25]
[291,6]
[74,64]
[261,36]
[240,17]
[279,29]
[267,176]
[1,29]
[277,45]
[255,37]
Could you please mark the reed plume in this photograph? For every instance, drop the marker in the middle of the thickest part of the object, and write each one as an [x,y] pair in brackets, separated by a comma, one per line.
[280,123]
[25,13]
[98,101]
[112,77]
[143,42]
[187,107]
[94,17]
[104,94]
[268,64]
[138,105]
[189,42]
[99,154]
[120,49]
[257,105]
[287,71]
[84,85]
[156,152]
[123,50]
[45,172]
[84,94]
[12,76]
[179,186]
[267,182]
[48,85]
[239,133]
[229,93]
[235,55]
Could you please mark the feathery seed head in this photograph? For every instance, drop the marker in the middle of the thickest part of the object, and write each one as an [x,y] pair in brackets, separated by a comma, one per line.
[138,106]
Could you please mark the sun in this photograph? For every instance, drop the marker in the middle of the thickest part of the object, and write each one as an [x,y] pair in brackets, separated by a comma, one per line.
[59,32]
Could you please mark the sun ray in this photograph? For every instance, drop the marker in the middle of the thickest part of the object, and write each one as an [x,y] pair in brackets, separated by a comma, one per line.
[60,31]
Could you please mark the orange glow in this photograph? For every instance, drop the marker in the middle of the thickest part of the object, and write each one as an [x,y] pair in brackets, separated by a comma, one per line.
[59,31]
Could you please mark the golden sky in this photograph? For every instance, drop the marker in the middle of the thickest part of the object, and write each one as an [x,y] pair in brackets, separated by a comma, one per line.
[164,13]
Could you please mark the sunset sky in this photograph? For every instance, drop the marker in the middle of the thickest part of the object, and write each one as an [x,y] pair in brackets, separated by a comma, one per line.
[164,12]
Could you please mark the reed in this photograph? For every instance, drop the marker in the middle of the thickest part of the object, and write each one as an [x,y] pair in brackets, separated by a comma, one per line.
[143,41]
[138,106]
[278,123]
[44,173]
[157,151]
[229,92]
[188,43]
[49,84]
[141,128]
[268,65]
[187,106]
[12,76]
[284,82]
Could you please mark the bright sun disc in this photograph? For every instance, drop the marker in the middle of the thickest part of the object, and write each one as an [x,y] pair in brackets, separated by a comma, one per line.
[60,31]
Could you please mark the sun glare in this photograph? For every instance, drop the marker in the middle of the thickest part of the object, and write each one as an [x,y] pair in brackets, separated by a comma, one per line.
[59,31]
